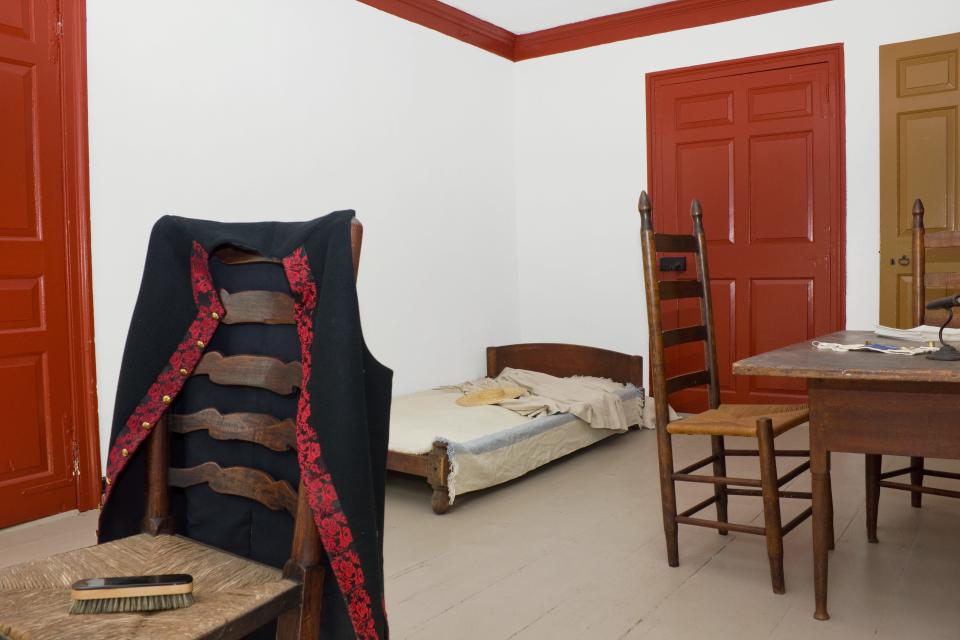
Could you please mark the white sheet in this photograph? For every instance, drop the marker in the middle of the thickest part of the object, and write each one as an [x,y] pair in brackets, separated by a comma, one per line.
[593,400]
[484,462]
[419,419]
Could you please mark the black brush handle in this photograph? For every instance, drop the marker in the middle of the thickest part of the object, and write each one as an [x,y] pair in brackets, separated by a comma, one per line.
[126,582]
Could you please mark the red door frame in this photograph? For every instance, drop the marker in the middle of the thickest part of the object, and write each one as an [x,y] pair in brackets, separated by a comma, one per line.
[832,55]
[73,82]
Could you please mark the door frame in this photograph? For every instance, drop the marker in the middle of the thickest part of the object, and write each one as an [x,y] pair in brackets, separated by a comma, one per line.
[832,55]
[85,427]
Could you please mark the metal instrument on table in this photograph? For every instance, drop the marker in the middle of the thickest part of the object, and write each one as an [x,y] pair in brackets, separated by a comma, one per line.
[946,352]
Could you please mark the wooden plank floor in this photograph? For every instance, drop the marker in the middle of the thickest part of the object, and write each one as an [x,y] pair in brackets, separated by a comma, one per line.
[575,551]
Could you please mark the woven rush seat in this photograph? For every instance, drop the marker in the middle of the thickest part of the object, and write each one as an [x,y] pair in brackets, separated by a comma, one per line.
[35,596]
[741,420]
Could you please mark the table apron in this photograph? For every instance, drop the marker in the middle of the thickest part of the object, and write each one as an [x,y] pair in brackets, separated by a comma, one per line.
[886,417]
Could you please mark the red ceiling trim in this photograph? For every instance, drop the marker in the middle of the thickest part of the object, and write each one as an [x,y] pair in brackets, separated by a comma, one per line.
[661,18]
[452,22]
[670,16]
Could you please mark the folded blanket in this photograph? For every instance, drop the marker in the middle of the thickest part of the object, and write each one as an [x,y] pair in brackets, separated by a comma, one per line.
[591,399]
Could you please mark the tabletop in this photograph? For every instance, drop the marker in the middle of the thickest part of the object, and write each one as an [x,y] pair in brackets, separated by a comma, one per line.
[803,360]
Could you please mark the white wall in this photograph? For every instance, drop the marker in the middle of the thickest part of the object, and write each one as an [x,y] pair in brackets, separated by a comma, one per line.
[581,159]
[259,110]
[498,199]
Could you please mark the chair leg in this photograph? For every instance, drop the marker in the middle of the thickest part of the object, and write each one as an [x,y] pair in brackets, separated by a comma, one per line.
[303,621]
[872,468]
[306,567]
[916,478]
[720,469]
[668,496]
[771,502]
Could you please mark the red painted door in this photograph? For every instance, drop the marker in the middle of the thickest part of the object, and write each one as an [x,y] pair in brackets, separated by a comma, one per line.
[37,446]
[759,148]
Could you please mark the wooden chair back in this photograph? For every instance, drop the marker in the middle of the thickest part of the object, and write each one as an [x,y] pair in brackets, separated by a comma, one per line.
[948,281]
[272,374]
[661,290]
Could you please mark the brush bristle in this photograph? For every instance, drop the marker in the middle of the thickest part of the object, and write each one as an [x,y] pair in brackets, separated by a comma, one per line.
[132,605]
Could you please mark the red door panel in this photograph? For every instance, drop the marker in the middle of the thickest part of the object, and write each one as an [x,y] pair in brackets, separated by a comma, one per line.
[36,439]
[758,149]
[787,304]
[724,293]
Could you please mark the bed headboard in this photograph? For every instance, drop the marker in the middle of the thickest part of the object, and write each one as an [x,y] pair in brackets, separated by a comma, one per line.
[564,360]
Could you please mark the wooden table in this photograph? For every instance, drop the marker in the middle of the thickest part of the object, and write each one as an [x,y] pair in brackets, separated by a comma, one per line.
[864,402]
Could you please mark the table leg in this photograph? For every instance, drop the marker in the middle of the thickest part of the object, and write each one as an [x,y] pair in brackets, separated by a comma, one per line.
[872,466]
[822,515]
[831,539]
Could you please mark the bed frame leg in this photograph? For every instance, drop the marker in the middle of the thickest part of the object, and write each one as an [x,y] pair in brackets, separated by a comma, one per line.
[440,500]
[438,469]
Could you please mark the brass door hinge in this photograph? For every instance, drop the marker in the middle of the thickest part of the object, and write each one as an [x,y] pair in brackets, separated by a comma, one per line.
[75,451]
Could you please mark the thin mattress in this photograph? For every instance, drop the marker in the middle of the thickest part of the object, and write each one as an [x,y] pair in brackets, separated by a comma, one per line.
[488,445]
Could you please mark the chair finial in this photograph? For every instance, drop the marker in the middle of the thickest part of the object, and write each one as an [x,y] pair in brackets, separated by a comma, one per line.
[918,213]
[643,206]
[695,209]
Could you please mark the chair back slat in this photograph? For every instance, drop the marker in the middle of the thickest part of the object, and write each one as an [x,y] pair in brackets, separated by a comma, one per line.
[238,481]
[942,280]
[683,335]
[940,239]
[687,380]
[673,243]
[661,290]
[257,307]
[259,428]
[234,255]
[936,318]
[676,289]
[251,371]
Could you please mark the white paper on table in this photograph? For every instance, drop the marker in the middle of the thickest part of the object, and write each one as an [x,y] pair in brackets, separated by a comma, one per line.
[923,333]
[876,347]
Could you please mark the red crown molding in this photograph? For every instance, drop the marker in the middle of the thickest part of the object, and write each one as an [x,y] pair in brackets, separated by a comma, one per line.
[661,18]
[452,22]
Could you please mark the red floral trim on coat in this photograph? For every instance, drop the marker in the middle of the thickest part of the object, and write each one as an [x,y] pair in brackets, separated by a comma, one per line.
[335,533]
[170,380]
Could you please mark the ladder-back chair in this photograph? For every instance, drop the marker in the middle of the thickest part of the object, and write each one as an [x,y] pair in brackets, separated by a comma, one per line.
[948,283]
[236,596]
[763,422]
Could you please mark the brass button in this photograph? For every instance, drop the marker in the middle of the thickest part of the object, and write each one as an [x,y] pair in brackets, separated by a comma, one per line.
[167,399]
[184,372]
[200,344]
[124,453]
[107,480]
[215,315]
[146,425]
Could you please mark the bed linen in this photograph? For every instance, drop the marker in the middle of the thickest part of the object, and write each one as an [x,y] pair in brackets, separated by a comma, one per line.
[591,399]
[488,445]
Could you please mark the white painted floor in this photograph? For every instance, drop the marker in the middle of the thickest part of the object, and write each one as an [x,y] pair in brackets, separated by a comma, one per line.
[575,551]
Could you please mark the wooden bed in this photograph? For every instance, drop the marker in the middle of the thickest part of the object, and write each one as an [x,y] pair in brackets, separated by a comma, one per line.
[561,360]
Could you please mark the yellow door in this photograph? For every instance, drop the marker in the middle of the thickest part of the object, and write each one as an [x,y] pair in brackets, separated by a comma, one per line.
[919,101]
